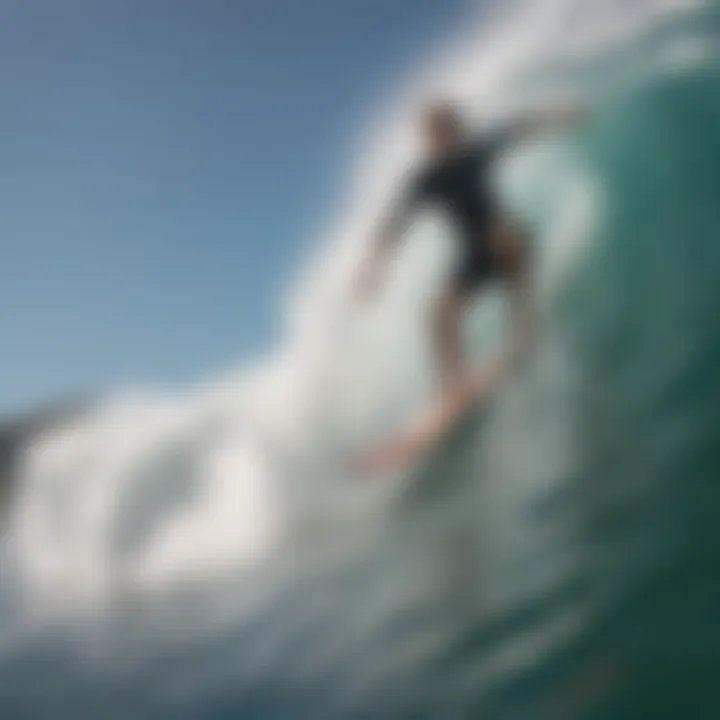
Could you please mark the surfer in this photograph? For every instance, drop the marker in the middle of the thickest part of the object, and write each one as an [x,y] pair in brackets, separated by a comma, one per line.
[456,178]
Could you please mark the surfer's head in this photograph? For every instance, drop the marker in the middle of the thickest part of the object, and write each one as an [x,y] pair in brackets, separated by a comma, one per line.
[442,127]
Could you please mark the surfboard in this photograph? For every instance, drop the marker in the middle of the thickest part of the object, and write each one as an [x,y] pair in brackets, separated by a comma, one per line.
[413,442]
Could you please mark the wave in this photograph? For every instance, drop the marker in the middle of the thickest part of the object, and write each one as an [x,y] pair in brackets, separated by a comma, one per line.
[243,475]
[158,489]
[553,558]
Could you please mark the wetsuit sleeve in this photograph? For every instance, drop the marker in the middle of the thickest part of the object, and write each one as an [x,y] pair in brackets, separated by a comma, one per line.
[415,192]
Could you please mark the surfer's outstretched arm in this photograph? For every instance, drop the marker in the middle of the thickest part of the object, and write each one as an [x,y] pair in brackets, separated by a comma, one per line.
[563,117]
[387,236]
[538,122]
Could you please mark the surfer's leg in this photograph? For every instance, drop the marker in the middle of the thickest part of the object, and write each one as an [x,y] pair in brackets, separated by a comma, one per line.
[447,333]
[511,251]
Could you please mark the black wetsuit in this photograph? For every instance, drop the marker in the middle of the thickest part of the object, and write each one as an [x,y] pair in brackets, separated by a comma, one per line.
[460,185]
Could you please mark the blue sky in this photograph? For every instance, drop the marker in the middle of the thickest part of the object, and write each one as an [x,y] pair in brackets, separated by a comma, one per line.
[164,163]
